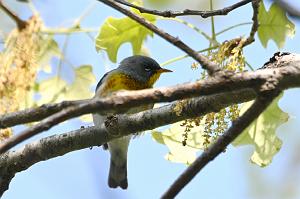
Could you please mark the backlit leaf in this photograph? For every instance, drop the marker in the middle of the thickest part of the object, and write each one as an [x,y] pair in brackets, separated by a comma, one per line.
[173,138]
[48,49]
[51,90]
[262,133]
[274,25]
[56,89]
[81,86]
[117,31]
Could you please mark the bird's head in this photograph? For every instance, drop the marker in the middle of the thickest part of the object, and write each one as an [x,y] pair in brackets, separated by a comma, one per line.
[142,68]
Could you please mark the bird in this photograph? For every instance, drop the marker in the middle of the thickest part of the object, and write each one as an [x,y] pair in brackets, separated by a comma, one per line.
[133,73]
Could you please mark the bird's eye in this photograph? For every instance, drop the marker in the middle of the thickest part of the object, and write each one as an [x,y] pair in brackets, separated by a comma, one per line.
[147,68]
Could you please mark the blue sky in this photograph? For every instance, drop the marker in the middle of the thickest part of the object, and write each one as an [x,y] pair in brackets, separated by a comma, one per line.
[83,174]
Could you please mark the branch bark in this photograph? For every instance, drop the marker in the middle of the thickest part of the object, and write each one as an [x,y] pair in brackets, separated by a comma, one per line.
[285,71]
[35,114]
[170,13]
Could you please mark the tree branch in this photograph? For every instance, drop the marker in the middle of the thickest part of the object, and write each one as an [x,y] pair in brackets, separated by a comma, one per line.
[286,72]
[238,126]
[5,180]
[35,114]
[211,67]
[255,6]
[57,145]
[20,23]
[203,14]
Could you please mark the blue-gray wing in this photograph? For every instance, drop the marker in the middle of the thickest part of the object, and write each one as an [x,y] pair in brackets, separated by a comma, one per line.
[101,81]
[105,146]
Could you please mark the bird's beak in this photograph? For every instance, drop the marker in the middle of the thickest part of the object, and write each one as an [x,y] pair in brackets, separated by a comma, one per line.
[164,70]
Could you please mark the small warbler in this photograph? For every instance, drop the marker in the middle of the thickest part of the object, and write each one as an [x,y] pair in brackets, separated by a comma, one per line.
[134,73]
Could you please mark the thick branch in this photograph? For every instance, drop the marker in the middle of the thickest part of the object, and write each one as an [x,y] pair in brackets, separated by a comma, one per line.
[57,145]
[5,180]
[35,114]
[170,13]
[286,72]
[260,104]
[211,67]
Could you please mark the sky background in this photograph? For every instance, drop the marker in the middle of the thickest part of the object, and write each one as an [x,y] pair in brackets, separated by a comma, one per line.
[83,174]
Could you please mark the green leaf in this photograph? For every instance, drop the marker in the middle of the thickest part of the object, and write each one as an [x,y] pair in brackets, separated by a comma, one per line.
[262,133]
[47,51]
[117,31]
[274,25]
[56,89]
[51,90]
[81,87]
[173,138]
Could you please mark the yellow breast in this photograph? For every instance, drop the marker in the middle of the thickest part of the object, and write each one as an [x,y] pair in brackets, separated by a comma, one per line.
[117,82]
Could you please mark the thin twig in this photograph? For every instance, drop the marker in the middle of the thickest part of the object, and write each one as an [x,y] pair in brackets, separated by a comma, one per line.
[20,23]
[213,32]
[205,35]
[67,30]
[85,13]
[211,67]
[169,13]
[260,104]
[175,59]
[233,26]
[255,6]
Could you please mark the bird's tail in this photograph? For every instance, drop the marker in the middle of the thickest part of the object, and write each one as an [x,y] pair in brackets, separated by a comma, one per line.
[118,162]
[118,173]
